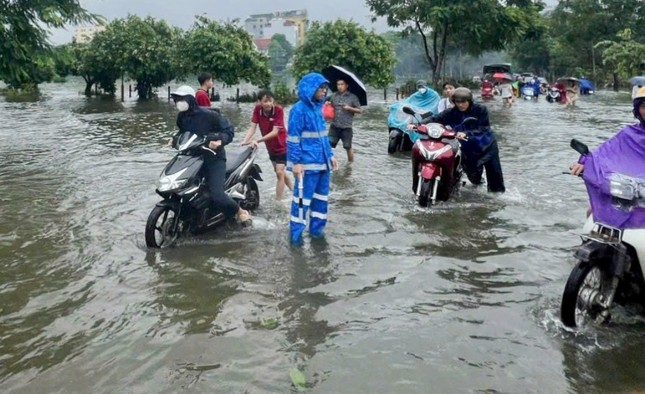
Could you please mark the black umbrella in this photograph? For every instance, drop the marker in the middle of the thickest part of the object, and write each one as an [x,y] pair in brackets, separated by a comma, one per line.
[334,73]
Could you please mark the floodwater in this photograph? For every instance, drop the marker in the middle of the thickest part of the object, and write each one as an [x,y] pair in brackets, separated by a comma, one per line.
[462,297]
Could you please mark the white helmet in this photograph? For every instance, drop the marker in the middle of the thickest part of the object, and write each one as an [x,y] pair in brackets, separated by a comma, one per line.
[183,91]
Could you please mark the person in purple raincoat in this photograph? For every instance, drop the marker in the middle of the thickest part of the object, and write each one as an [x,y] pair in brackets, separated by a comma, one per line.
[622,154]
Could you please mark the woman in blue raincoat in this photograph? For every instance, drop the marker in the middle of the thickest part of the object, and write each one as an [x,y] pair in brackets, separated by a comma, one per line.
[310,158]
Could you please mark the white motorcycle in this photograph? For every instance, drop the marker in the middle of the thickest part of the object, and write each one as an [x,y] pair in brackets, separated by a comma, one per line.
[610,261]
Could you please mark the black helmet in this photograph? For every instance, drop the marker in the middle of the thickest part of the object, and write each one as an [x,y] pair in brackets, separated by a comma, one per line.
[462,94]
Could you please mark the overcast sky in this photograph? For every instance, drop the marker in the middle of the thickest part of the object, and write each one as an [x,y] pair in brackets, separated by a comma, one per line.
[182,12]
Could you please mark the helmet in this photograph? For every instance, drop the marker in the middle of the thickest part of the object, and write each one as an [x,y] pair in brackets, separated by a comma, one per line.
[461,94]
[421,84]
[639,99]
[184,91]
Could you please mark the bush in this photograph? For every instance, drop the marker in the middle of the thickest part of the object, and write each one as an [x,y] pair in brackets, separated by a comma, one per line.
[283,95]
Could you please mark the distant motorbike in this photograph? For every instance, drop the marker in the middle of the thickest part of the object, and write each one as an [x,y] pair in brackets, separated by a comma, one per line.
[436,162]
[187,207]
[610,260]
[528,93]
[488,91]
[553,95]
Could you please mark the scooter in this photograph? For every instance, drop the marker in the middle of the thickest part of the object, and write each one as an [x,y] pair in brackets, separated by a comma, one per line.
[488,91]
[436,162]
[528,93]
[553,95]
[187,207]
[610,260]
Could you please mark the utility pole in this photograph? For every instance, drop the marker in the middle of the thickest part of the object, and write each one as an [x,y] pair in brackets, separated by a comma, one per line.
[593,62]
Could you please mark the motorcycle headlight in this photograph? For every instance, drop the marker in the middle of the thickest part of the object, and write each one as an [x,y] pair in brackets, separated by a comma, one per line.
[623,187]
[171,182]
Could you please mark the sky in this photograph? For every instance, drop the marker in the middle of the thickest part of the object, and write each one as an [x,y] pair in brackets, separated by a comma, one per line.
[182,12]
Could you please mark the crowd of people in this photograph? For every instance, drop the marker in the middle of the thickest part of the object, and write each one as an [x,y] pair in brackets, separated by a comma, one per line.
[305,146]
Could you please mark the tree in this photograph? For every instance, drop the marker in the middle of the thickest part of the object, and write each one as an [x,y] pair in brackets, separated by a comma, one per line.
[346,44]
[92,61]
[624,55]
[142,48]
[225,50]
[576,27]
[24,51]
[280,52]
[475,26]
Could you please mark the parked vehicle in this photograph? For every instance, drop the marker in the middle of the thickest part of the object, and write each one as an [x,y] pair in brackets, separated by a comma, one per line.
[609,270]
[186,206]
[398,120]
[436,162]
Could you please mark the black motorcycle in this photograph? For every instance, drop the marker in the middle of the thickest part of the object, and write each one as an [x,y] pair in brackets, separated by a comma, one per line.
[187,207]
[610,262]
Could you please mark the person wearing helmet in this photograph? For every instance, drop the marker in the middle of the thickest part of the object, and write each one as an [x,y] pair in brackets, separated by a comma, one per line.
[623,154]
[479,144]
[218,132]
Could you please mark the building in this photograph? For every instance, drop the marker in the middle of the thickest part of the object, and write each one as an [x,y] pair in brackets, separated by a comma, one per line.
[262,45]
[293,24]
[84,35]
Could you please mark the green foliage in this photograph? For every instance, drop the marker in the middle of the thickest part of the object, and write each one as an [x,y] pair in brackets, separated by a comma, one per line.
[576,26]
[94,62]
[298,379]
[624,55]
[225,50]
[283,95]
[280,53]
[142,48]
[346,44]
[474,26]
[25,60]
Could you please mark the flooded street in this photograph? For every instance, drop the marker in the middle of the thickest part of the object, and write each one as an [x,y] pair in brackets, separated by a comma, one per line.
[463,297]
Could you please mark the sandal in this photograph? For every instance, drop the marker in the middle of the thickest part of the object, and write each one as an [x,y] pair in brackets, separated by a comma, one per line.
[244,216]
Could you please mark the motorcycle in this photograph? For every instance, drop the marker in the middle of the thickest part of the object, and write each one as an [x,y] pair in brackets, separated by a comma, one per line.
[187,207]
[610,260]
[436,162]
[553,95]
[488,90]
[528,93]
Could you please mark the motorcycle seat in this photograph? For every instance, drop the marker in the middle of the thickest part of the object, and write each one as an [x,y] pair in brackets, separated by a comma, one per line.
[235,158]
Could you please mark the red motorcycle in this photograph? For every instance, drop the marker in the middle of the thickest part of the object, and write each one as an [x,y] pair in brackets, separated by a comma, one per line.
[436,162]
[488,90]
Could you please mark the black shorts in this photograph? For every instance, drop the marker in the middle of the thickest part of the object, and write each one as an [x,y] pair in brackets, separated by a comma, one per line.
[339,133]
[280,158]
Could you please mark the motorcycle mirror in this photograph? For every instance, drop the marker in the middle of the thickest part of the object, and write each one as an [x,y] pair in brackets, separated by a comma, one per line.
[408,110]
[579,147]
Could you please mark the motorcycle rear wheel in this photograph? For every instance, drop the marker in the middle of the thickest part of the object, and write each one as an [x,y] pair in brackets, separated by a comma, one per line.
[394,144]
[252,195]
[584,283]
[160,227]
[426,192]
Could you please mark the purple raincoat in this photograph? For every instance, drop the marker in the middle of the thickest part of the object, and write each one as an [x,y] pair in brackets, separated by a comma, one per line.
[622,154]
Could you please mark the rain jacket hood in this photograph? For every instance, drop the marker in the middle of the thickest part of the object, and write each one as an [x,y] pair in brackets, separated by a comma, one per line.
[307,138]
[307,88]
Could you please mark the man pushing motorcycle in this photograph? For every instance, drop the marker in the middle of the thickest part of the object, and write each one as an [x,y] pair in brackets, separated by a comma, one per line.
[478,141]
[219,132]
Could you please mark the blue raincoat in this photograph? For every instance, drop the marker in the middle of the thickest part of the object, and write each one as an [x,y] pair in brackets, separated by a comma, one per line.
[308,144]
[426,102]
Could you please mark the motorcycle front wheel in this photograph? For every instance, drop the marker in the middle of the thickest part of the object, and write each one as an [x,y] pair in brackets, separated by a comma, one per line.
[426,191]
[579,300]
[160,227]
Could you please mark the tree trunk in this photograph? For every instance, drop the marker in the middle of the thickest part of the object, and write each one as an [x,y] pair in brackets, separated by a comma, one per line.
[615,82]
[88,86]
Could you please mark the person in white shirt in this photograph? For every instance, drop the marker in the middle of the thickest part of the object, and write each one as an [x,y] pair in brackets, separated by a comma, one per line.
[445,103]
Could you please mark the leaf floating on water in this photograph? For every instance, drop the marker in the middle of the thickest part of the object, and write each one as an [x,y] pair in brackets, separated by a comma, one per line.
[298,379]
[269,324]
